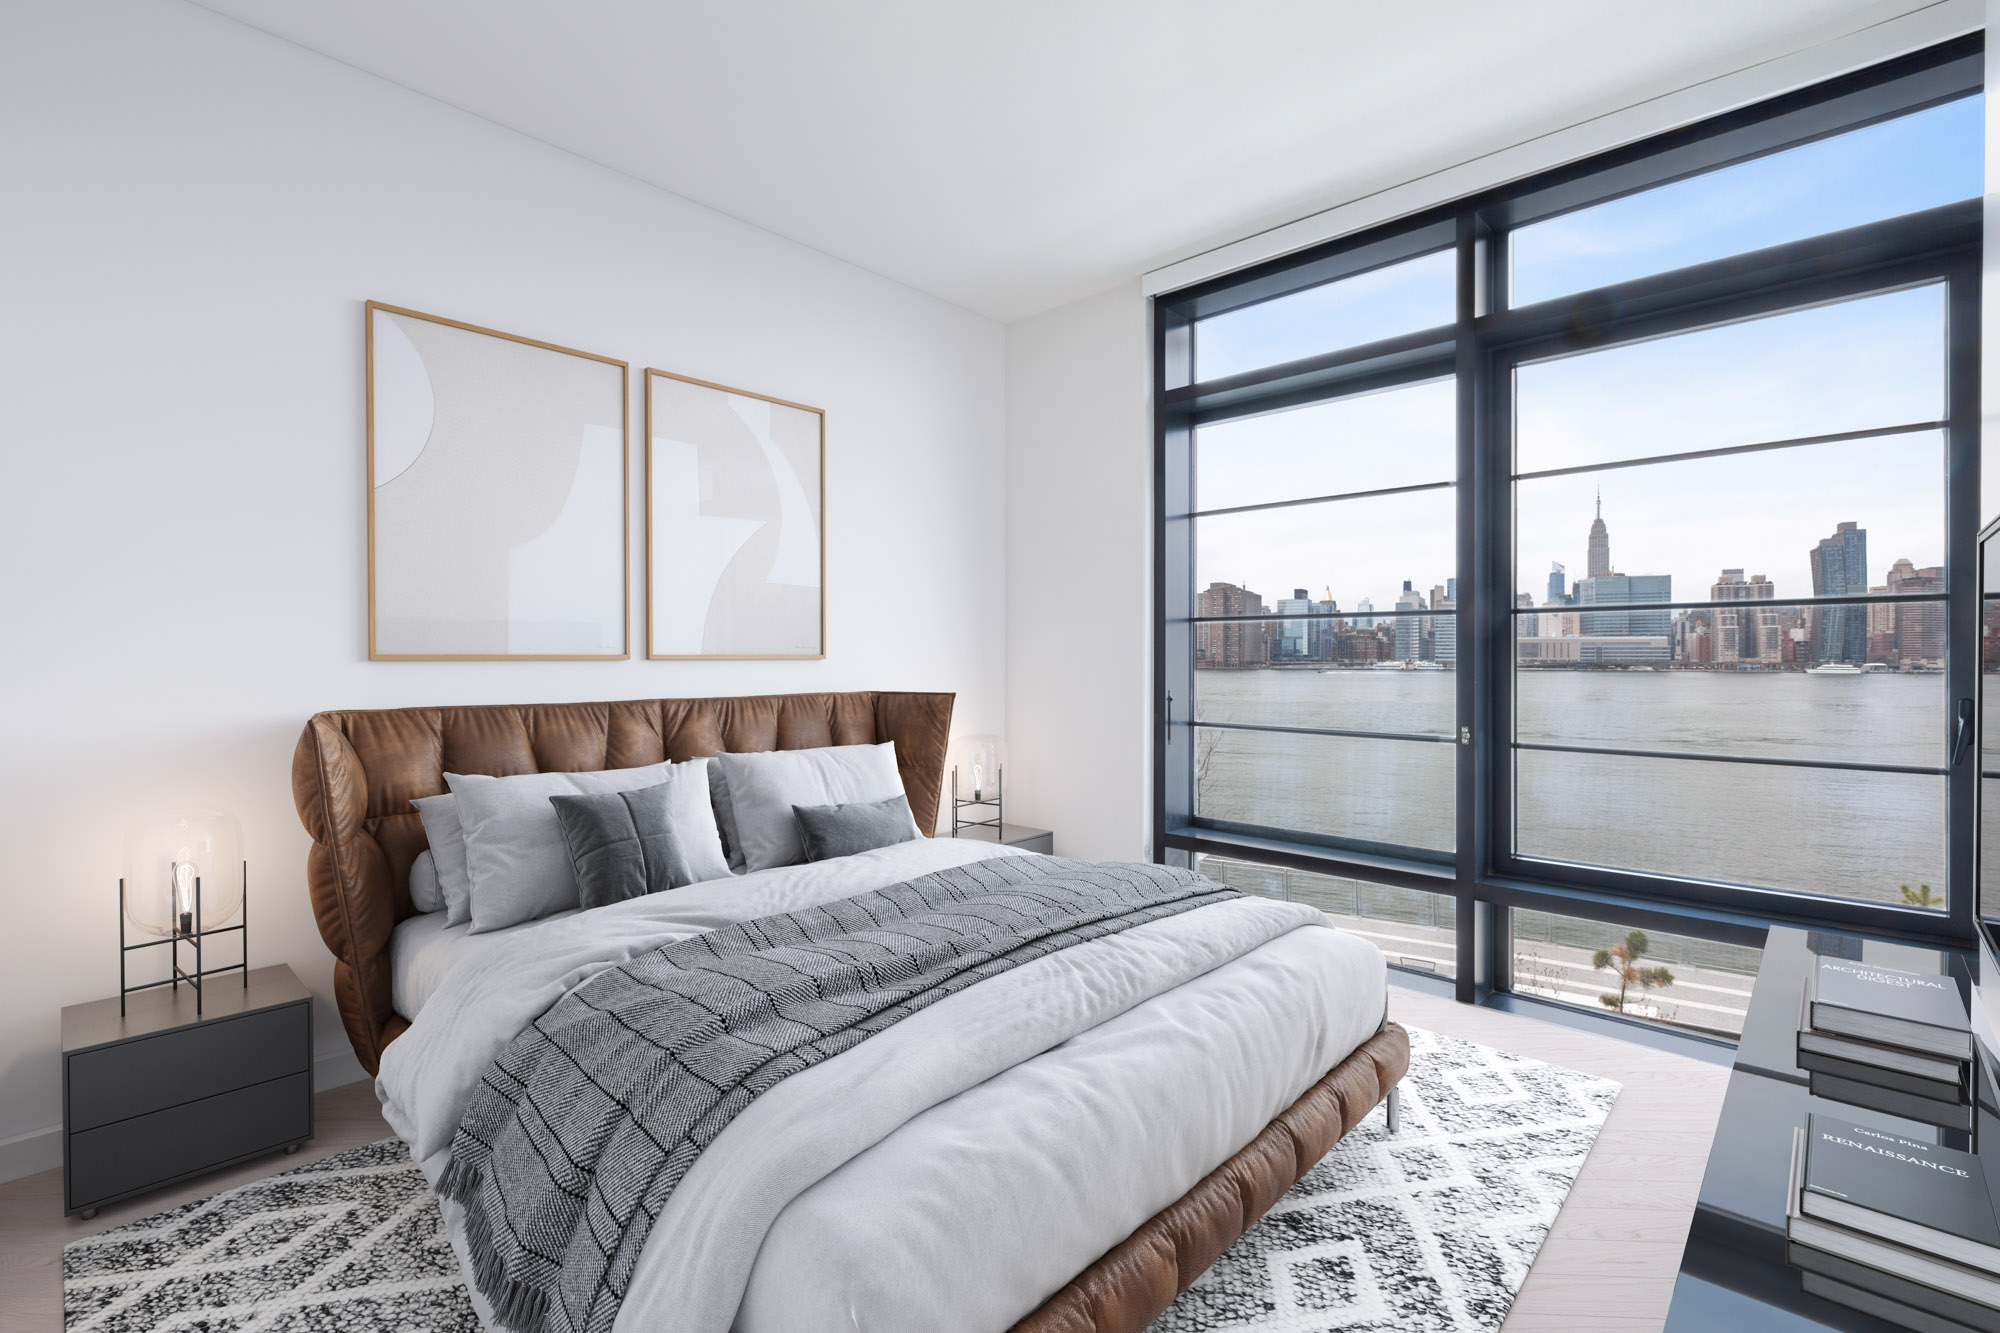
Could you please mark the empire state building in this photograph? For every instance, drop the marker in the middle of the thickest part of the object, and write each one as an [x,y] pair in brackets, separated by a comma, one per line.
[1600,542]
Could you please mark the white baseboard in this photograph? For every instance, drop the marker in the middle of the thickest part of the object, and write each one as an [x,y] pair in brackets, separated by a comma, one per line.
[27,1154]
[41,1149]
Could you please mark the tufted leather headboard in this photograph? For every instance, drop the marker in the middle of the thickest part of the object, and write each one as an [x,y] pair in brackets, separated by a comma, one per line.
[355,773]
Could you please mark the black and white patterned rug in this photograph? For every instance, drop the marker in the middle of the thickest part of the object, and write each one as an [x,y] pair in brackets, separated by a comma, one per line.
[1433,1227]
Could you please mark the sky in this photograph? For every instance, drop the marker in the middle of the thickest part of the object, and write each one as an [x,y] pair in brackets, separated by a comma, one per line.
[1864,364]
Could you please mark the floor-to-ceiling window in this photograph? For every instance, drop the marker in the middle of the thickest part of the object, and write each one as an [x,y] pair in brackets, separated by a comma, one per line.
[1560,583]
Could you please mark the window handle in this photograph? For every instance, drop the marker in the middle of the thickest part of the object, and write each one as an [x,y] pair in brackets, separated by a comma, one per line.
[1167,737]
[1963,735]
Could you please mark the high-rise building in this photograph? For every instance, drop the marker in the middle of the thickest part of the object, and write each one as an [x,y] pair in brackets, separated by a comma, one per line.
[1558,588]
[1365,619]
[1744,636]
[1882,619]
[1920,626]
[1444,633]
[1626,590]
[1289,638]
[1600,543]
[1322,632]
[1409,629]
[1231,644]
[1840,569]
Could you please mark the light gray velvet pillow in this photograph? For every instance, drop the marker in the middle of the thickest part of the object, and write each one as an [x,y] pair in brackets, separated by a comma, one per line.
[764,787]
[447,839]
[691,811]
[515,856]
[827,831]
[621,844]
[426,894]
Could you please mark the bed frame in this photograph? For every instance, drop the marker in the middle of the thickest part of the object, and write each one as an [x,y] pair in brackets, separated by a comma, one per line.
[355,772]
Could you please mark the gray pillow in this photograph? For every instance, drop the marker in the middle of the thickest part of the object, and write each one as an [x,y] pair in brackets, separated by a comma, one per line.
[514,850]
[725,817]
[426,895]
[827,831]
[621,844]
[764,787]
[447,839]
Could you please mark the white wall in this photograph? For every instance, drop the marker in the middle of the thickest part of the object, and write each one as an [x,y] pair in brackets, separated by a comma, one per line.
[1079,573]
[194,214]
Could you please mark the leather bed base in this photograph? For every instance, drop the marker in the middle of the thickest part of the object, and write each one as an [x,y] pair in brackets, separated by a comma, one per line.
[1132,1284]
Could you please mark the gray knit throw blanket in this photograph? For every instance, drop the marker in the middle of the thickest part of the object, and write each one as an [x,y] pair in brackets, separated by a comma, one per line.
[579,1132]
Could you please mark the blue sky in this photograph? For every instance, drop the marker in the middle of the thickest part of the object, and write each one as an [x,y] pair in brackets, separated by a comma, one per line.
[1873,362]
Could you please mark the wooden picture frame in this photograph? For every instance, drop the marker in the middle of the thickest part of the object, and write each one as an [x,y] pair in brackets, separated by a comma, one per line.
[481,554]
[729,515]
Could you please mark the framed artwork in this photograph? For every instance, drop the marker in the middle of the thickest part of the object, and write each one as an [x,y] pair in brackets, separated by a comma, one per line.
[497,495]
[735,532]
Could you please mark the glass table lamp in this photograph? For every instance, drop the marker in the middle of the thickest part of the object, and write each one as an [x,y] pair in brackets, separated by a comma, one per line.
[184,881]
[978,772]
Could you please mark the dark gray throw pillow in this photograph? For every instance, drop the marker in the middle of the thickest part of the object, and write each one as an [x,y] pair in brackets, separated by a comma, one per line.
[827,831]
[621,844]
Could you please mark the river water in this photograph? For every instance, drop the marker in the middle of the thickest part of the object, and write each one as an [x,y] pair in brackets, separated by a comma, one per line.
[1849,834]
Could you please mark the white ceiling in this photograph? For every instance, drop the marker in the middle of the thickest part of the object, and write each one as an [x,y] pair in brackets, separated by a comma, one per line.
[1013,155]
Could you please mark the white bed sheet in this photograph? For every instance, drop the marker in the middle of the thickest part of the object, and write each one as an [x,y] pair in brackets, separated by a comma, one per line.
[423,950]
[985,1149]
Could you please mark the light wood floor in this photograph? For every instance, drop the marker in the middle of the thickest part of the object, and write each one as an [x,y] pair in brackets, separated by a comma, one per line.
[1609,1262]
[1607,1266]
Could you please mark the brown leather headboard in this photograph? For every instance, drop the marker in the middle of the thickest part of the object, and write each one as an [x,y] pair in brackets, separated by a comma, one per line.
[355,773]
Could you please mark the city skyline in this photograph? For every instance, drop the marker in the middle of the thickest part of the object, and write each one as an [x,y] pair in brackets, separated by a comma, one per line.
[1809,580]
[1568,630]
[1871,363]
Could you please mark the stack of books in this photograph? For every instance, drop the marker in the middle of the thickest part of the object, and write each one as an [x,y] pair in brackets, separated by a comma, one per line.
[1903,1230]
[1893,1041]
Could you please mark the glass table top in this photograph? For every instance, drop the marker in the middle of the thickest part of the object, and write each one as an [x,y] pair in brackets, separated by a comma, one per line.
[1734,1273]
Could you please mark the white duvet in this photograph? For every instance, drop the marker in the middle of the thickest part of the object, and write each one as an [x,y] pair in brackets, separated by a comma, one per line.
[957,1169]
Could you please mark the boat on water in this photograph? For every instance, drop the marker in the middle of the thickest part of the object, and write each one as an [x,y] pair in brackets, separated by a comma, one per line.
[1834,669]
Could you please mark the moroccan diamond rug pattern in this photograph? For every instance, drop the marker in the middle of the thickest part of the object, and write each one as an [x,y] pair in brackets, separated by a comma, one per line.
[1433,1228]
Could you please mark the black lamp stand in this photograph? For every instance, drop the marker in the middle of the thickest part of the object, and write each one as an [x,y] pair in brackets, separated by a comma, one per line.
[982,801]
[187,928]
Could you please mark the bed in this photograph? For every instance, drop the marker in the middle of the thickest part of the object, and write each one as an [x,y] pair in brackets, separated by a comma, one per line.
[929,1177]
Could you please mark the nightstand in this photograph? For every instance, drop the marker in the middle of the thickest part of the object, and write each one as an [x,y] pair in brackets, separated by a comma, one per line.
[160,1093]
[1014,835]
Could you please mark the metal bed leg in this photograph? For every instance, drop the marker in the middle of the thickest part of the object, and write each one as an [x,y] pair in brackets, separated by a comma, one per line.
[1395,1111]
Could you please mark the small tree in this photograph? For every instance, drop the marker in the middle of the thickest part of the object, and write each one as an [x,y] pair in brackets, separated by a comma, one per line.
[1921,896]
[1623,959]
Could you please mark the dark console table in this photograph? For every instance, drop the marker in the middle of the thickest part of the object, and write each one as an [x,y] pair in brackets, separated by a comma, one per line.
[1734,1274]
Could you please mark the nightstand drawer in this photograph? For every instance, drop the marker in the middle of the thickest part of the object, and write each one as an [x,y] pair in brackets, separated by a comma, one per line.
[152,1073]
[153,1149]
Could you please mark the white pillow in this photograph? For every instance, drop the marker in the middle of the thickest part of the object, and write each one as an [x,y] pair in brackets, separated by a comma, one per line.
[764,787]
[447,839]
[515,855]
[426,895]
[692,816]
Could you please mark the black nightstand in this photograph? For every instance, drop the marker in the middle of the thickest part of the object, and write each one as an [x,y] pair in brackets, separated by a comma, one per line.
[1014,835]
[159,1094]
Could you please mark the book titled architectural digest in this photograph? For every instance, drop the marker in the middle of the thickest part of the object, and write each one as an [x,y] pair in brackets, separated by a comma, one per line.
[1924,1012]
[1919,1195]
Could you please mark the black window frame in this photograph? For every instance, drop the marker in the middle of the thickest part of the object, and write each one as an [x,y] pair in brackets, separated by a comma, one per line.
[1480,348]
